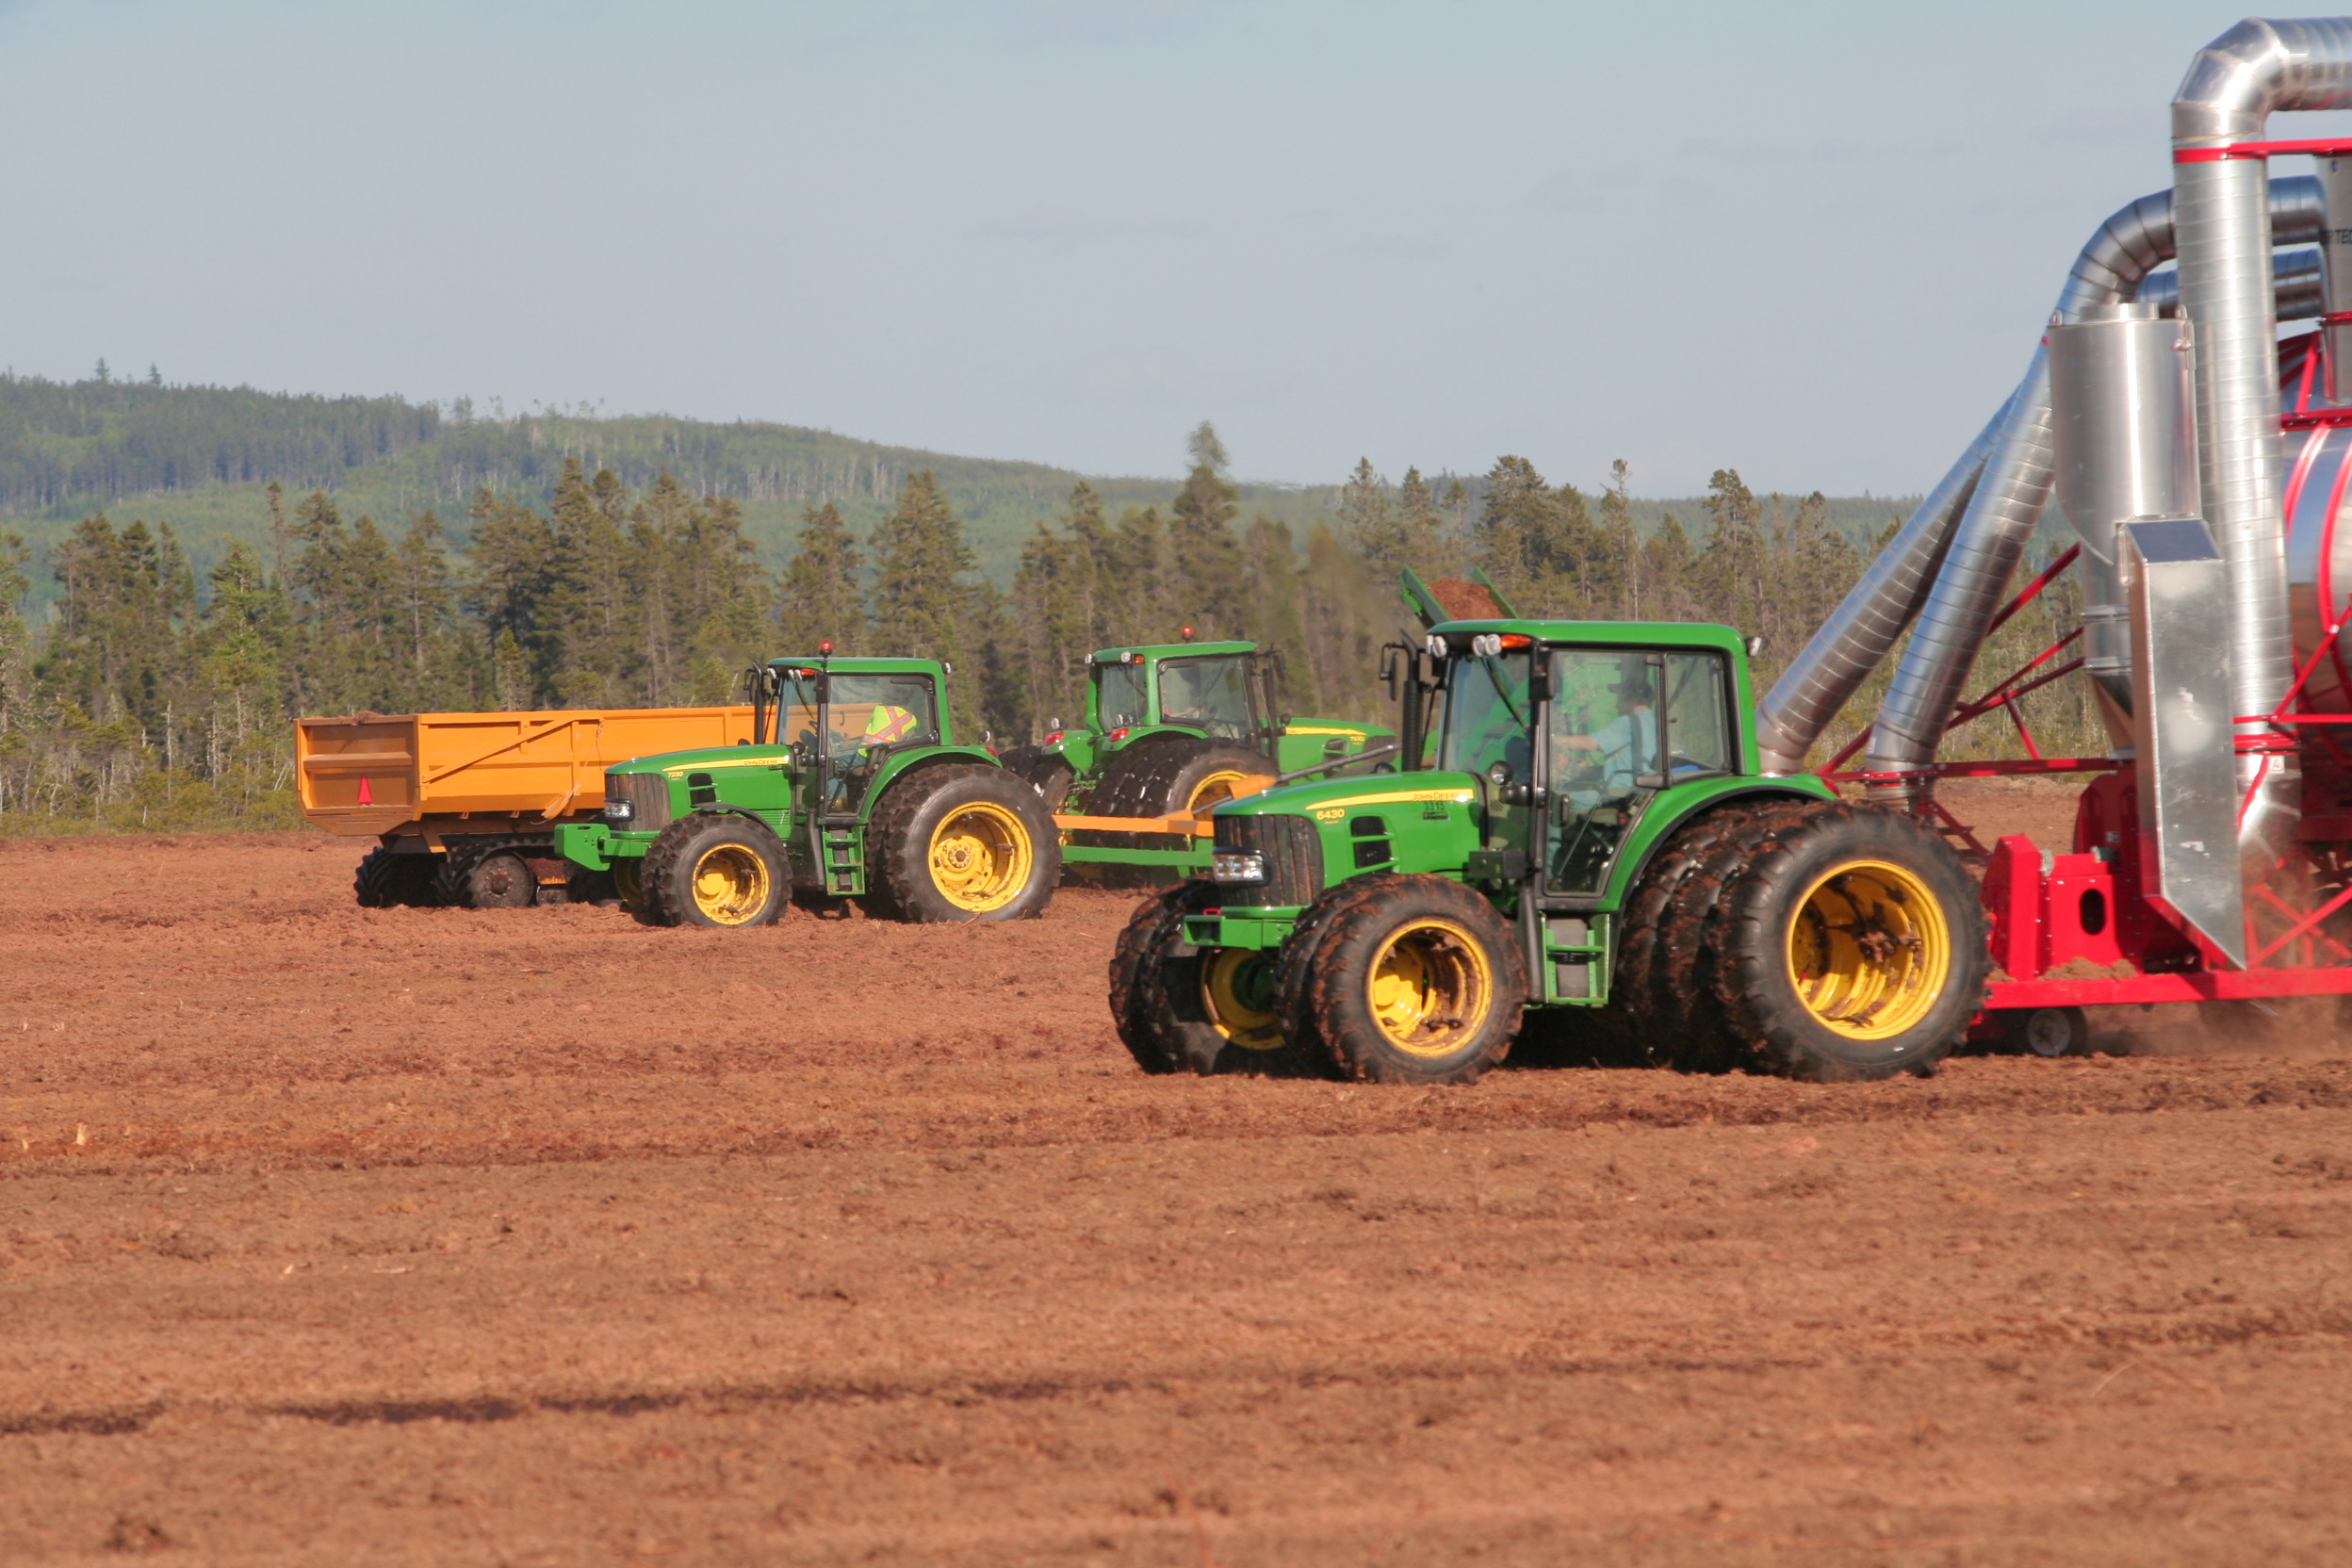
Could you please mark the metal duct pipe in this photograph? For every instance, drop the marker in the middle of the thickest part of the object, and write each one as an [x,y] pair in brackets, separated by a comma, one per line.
[2221,215]
[2296,286]
[1845,648]
[2008,501]
[2126,448]
[2335,250]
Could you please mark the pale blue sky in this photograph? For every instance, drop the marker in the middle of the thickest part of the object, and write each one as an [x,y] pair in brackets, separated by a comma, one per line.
[1814,242]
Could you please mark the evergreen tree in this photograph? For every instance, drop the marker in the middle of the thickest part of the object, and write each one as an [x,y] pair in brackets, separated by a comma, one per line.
[823,592]
[1207,556]
[922,601]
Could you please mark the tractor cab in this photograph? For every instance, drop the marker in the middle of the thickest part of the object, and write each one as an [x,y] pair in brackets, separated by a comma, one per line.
[1223,691]
[1576,740]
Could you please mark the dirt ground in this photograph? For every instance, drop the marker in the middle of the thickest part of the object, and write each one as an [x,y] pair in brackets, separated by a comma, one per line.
[351,1236]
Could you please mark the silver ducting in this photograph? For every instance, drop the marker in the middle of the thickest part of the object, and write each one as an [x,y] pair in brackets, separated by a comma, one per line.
[2335,250]
[2295,286]
[2110,270]
[1845,648]
[2125,447]
[1843,652]
[2222,218]
[1984,550]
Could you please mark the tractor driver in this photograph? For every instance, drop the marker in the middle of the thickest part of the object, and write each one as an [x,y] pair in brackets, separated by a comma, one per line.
[1627,743]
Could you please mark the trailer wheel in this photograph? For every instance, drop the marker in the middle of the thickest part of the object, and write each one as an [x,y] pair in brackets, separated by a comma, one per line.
[1412,980]
[1849,944]
[385,880]
[714,868]
[1158,779]
[1181,1008]
[962,843]
[2047,1031]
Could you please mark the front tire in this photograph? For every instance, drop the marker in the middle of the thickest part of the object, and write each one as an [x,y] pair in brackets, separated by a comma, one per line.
[1406,980]
[717,869]
[1181,1008]
[962,843]
[1850,944]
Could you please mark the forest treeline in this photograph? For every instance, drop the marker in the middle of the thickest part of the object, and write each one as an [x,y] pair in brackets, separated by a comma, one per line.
[149,697]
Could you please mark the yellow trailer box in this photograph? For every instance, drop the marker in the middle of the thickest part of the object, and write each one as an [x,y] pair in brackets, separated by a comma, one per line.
[437,774]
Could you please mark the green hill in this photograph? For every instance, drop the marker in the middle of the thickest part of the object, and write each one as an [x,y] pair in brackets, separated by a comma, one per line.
[199,458]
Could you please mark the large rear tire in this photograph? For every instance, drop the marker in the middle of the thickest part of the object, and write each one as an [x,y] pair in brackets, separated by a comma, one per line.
[1049,771]
[1405,980]
[714,868]
[385,880]
[1182,1008]
[1847,943]
[1660,959]
[959,842]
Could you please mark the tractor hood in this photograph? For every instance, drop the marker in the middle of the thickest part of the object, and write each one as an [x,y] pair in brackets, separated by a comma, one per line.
[1335,799]
[704,759]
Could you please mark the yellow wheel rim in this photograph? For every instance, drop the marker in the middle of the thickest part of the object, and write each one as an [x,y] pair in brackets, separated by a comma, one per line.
[625,884]
[1869,951]
[1430,988]
[1237,988]
[1217,786]
[980,856]
[730,884]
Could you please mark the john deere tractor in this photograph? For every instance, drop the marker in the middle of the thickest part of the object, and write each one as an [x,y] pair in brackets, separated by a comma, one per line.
[852,786]
[1169,728]
[1594,841]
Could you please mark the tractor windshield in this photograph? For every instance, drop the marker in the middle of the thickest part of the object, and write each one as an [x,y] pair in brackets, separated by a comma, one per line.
[1486,715]
[1211,694]
[869,713]
[1119,694]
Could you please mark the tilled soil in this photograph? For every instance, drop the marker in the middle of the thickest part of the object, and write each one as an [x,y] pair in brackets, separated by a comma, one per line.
[338,1235]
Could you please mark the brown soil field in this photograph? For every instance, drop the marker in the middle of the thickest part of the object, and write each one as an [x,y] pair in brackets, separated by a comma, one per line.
[353,1236]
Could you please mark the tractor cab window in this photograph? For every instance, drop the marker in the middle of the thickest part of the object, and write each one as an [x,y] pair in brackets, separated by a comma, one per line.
[1487,716]
[869,714]
[1604,747]
[1210,695]
[1119,698]
[1698,716]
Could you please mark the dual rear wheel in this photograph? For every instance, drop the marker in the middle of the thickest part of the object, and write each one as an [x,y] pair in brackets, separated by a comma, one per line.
[1809,939]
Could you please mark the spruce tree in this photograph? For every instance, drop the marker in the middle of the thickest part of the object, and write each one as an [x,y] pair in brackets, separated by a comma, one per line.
[922,603]
[823,594]
[1208,556]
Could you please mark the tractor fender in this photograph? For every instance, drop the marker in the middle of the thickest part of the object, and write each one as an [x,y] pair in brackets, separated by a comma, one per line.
[898,768]
[745,813]
[1629,871]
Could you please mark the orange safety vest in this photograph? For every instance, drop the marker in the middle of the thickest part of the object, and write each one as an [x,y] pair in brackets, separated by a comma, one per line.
[889,726]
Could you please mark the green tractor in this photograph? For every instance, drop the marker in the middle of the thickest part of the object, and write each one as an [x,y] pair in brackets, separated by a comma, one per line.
[852,786]
[1595,845]
[1171,730]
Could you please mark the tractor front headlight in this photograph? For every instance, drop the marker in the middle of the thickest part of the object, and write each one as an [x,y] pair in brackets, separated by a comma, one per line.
[619,811]
[1237,865]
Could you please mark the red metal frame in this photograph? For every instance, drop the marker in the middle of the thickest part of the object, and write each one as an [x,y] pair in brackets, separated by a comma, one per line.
[2003,693]
[2232,152]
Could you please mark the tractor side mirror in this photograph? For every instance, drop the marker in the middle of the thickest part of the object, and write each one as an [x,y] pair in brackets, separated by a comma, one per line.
[1755,645]
[1388,668]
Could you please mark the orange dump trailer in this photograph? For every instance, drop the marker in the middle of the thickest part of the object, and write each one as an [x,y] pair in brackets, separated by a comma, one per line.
[464,805]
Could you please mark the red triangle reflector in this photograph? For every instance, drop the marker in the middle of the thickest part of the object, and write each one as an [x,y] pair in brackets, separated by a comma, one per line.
[366,796]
